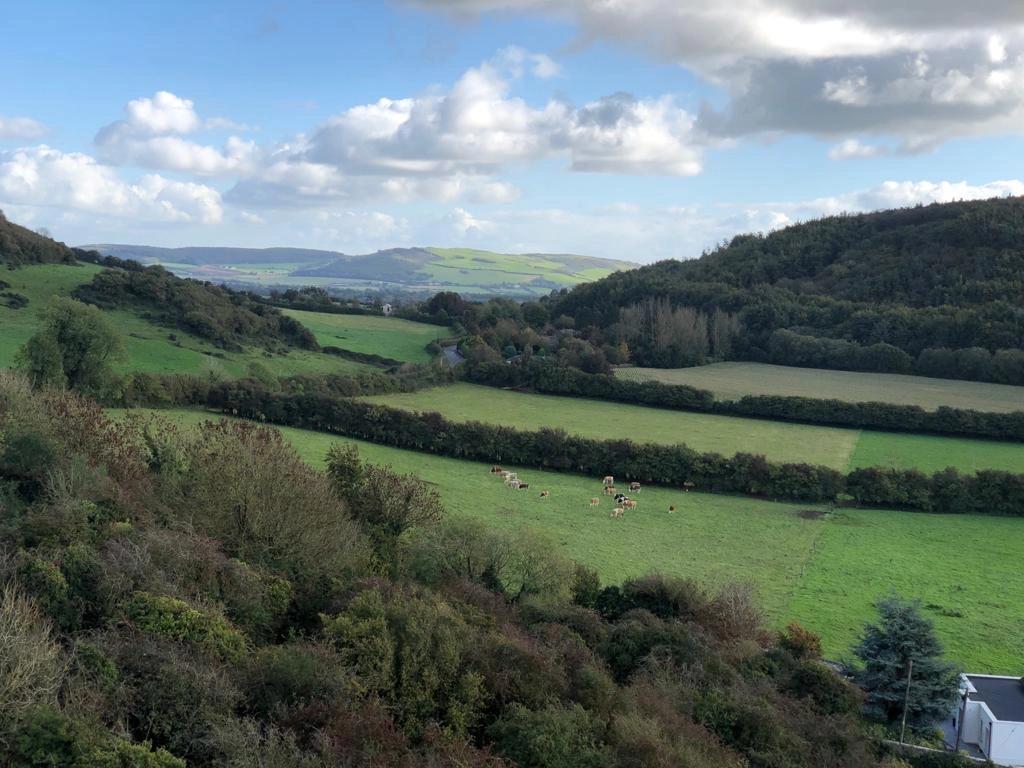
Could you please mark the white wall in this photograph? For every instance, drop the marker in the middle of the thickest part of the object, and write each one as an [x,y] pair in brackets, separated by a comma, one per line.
[972,722]
[1007,743]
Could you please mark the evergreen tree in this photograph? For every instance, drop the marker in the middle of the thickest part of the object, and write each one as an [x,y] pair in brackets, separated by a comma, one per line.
[903,636]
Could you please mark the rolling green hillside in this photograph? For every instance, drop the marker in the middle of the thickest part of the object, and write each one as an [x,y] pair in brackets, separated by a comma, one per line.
[151,347]
[821,569]
[469,271]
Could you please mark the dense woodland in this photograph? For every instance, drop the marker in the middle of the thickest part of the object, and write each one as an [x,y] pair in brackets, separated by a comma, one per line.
[935,290]
[19,245]
[206,597]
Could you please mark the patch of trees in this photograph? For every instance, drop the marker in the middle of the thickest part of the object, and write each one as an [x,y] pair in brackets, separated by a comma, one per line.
[987,492]
[550,378]
[226,318]
[20,245]
[204,596]
[920,289]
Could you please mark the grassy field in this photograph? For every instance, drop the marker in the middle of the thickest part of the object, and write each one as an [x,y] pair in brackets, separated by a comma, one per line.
[385,336]
[147,345]
[841,449]
[730,381]
[824,572]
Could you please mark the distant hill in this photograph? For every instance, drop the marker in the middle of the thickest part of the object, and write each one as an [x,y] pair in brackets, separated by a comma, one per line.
[936,289]
[19,245]
[473,272]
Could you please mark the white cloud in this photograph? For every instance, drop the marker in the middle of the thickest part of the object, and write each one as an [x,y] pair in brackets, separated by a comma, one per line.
[921,71]
[164,113]
[251,218]
[851,148]
[150,137]
[42,176]
[447,145]
[21,128]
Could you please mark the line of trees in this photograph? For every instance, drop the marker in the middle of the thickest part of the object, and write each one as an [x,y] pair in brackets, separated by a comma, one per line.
[551,378]
[987,492]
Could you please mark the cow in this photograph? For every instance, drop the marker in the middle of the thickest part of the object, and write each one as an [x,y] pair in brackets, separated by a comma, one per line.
[496,469]
[687,486]
[620,497]
[671,508]
[594,501]
[608,490]
[515,485]
[617,512]
[522,486]
[608,480]
[629,504]
[634,487]
[505,474]
[545,494]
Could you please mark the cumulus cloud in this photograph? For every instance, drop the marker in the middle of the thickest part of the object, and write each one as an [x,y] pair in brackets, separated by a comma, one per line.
[449,144]
[42,176]
[21,128]
[920,70]
[150,136]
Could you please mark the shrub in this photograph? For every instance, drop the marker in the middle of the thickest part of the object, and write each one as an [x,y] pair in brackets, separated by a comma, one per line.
[31,666]
[177,620]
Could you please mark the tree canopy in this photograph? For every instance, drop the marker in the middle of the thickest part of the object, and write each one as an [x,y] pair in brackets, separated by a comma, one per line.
[903,635]
[74,348]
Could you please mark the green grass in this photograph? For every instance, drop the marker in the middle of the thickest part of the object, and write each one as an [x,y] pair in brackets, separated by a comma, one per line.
[730,381]
[385,336]
[148,346]
[824,573]
[603,420]
[838,448]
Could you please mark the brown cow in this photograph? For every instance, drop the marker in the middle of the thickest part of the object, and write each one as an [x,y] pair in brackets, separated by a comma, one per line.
[608,480]
[617,512]
[594,501]
[496,469]
[629,504]
[634,487]
[608,490]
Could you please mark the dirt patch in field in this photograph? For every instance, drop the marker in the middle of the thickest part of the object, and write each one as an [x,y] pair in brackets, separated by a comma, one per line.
[811,514]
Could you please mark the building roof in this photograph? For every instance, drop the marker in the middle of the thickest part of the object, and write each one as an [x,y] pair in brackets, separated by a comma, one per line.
[1004,696]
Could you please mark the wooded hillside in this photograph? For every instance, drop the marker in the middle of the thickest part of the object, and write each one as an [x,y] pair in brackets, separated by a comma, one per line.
[20,245]
[901,290]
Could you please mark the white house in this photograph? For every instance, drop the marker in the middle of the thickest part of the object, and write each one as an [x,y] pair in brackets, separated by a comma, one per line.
[993,717]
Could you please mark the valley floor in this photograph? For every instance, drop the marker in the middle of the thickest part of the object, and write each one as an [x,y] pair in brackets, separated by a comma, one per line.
[820,569]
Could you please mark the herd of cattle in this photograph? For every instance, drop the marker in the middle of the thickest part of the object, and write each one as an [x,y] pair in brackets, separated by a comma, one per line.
[608,488]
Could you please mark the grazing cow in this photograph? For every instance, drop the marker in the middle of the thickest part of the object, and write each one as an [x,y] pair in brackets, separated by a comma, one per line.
[608,490]
[620,497]
[545,494]
[515,485]
[634,487]
[608,480]
[496,469]
[505,474]
[522,486]
[629,504]
[617,512]
[594,501]
[671,508]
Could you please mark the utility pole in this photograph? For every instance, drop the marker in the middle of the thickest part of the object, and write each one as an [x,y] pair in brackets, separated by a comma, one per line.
[906,700]
[960,724]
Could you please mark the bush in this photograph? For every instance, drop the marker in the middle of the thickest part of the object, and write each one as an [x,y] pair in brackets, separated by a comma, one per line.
[31,666]
[177,620]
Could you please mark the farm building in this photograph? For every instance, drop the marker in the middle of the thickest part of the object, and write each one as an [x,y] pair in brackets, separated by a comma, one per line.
[993,718]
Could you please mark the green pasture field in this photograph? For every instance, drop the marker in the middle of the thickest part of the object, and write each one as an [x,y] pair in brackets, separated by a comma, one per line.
[385,336]
[821,571]
[731,381]
[148,346]
[835,447]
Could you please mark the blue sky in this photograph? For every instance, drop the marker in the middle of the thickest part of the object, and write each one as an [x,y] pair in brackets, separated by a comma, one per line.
[643,130]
